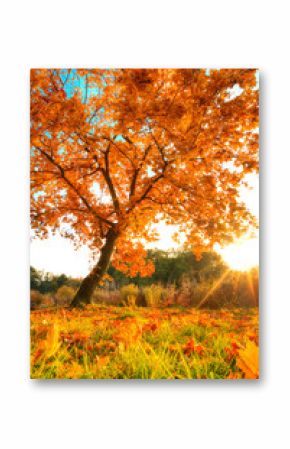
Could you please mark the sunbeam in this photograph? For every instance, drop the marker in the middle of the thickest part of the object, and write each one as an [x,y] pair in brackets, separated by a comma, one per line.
[213,288]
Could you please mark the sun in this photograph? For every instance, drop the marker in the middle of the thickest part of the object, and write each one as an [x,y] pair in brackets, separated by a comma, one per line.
[241,255]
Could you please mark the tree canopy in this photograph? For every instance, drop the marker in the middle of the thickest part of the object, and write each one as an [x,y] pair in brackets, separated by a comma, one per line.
[118,150]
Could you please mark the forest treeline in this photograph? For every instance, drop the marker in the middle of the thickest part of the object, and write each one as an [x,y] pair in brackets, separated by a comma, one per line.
[170,268]
[179,278]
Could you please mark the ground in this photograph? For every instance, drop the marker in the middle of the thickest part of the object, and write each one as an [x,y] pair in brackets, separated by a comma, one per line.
[105,342]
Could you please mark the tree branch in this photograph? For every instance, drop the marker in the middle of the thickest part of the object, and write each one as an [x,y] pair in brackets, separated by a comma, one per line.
[137,170]
[108,179]
[74,188]
[119,149]
[148,189]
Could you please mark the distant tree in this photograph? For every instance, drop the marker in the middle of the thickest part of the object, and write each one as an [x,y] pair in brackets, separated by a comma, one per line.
[35,279]
[60,280]
[129,147]
[48,282]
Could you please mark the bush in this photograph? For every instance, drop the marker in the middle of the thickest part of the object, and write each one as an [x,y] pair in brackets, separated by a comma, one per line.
[64,295]
[235,290]
[38,300]
[129,294]
[184,295]
[154,294]
[109,297]
[170,294]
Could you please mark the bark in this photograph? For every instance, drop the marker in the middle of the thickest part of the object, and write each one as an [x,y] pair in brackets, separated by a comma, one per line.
[89,283]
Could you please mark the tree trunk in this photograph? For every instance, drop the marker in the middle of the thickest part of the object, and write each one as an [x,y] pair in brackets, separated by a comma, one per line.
[89,283]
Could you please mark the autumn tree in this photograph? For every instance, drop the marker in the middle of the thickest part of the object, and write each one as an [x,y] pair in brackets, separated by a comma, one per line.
[114,151]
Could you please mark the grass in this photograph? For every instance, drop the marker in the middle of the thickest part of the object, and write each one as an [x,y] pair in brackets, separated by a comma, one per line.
[107,342]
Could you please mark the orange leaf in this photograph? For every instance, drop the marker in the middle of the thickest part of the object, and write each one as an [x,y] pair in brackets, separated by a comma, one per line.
[248,360]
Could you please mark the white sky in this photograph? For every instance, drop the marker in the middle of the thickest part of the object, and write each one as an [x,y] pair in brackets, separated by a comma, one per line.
[57,254]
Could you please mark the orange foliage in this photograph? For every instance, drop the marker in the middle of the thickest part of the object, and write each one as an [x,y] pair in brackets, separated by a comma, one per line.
[127,332]
[248,360]
[192,347]
[133,146]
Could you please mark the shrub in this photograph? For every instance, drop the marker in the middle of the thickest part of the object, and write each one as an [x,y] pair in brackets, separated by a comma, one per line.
[184,295]
[129,294]
[64,295]
[109,297]
[236,289]
[154,294]
[38,300]
[170,294]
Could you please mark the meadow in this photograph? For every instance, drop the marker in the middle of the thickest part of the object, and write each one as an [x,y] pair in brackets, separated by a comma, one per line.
[172,342]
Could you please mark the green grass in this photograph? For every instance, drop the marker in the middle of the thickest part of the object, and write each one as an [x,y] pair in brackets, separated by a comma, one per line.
[125,343]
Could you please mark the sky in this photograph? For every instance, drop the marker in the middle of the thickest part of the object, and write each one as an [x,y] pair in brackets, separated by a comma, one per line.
[57,254]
